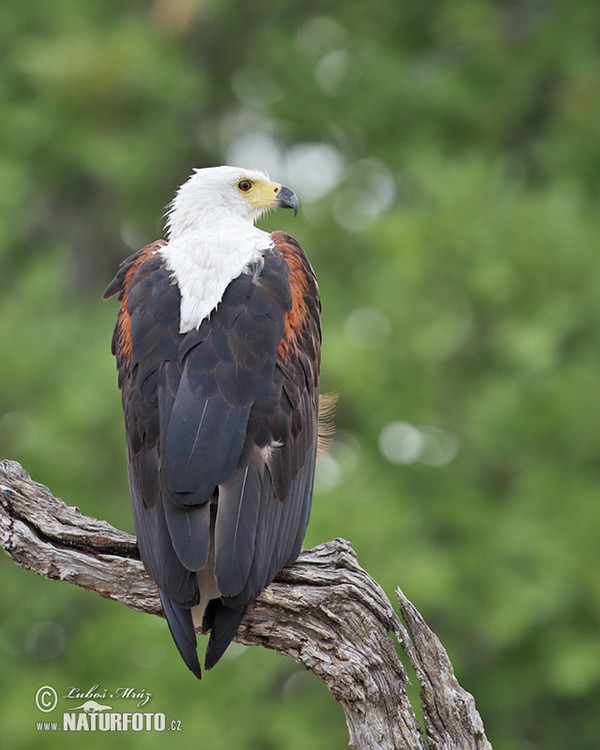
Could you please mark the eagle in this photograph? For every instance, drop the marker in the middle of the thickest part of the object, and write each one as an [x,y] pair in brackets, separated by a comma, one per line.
[217,343]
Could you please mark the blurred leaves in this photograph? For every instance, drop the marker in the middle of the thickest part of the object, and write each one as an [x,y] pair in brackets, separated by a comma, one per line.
[447,160]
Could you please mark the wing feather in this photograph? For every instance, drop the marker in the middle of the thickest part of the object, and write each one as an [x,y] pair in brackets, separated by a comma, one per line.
[240,499]
[189,532]
[157,551]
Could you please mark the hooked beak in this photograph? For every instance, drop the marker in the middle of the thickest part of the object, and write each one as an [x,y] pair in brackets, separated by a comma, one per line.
[286,198]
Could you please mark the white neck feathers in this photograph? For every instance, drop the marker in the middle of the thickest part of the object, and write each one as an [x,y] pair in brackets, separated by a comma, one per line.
[205,256]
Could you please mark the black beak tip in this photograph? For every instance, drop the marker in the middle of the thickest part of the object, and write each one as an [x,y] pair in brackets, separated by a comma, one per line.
[286,198]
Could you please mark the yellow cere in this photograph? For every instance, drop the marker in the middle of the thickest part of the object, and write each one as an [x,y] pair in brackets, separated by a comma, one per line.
[260,194]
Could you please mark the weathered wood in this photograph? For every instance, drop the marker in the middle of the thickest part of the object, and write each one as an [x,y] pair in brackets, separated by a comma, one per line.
[449,712]
[324,611]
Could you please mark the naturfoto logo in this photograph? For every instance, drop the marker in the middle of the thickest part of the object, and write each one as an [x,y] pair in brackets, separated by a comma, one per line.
[94,710]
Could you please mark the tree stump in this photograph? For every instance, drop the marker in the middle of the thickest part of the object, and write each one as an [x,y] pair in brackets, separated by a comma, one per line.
[324,611]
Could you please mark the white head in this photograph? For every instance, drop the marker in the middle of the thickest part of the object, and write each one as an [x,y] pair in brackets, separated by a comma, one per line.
[216,194]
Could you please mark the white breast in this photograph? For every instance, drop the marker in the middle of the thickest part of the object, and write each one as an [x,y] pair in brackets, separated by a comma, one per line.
[203,265]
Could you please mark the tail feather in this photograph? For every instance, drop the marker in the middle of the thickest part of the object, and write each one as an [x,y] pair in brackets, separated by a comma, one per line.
[223,623]
[181,626]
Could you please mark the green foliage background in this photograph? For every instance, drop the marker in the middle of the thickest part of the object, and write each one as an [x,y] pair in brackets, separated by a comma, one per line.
[447,155]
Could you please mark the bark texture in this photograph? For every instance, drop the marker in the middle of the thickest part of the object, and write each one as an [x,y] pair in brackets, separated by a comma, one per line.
[324,611]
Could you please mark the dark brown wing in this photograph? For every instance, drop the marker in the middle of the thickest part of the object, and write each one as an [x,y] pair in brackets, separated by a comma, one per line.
[223,418]
[283,427]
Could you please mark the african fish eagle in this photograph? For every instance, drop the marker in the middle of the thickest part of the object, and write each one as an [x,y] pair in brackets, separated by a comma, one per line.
[217,345]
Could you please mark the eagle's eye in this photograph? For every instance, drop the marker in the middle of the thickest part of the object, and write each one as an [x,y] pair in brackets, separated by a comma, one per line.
[244,185]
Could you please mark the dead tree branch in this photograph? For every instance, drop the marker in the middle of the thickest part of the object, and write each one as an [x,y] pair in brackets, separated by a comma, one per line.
[324,611]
